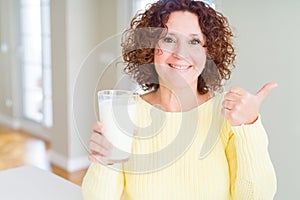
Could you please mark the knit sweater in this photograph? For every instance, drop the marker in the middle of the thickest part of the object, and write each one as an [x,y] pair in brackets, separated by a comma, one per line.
[192,155]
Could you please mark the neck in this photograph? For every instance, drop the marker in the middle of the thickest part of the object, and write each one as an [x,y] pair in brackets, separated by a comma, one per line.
[177,100]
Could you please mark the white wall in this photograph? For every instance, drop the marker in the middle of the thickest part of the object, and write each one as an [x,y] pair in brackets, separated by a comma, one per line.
[267,41]
[8,51]
[77,27]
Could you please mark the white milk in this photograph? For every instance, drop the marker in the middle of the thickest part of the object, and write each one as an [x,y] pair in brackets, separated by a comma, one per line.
[118,120]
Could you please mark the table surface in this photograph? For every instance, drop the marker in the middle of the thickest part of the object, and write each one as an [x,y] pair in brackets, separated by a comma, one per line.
[32,183]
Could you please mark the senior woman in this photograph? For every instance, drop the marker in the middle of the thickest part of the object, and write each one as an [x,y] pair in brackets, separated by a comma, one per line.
[184,98]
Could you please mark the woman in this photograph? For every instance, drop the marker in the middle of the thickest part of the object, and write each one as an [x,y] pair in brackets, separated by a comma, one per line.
[182,57]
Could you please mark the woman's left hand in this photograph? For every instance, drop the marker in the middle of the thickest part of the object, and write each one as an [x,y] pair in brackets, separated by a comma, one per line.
[241,107]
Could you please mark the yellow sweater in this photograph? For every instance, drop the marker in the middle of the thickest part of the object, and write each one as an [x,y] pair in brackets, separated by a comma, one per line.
[166,163]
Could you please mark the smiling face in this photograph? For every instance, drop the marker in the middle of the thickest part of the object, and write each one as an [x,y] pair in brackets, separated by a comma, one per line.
[180,56]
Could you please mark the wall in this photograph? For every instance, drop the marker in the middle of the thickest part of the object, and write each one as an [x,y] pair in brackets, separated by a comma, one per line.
[78,26]
[8,51]
[60,131]
[267,42]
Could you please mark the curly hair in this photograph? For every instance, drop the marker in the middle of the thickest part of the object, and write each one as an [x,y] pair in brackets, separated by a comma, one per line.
[138,46]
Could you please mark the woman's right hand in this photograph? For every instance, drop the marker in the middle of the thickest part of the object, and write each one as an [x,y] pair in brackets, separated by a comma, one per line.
[99,146]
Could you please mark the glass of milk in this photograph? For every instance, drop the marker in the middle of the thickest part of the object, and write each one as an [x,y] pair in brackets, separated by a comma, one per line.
[117,110]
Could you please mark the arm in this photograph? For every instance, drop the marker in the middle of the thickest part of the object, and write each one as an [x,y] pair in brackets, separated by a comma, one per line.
[102,182]
[251,171]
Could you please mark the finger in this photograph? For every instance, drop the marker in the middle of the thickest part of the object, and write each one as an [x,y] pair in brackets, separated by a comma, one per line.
[99,139]
[238,90]
[228,104]
[99,149]
[266,89]
[230,96]
[92,158]
[99,159]
[226,113]
[98,127]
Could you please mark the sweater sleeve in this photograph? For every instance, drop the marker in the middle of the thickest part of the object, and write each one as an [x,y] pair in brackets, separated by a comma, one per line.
[251,171]
[102,182]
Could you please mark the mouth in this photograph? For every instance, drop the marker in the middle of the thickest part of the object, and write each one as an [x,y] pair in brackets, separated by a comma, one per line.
[180,67]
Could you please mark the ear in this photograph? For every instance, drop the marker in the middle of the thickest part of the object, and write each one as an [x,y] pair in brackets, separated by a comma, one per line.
[158,52]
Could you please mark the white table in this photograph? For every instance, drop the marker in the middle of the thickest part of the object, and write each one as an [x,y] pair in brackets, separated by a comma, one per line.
[32,183]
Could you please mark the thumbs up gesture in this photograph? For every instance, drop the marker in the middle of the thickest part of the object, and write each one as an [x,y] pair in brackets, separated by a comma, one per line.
[241,107]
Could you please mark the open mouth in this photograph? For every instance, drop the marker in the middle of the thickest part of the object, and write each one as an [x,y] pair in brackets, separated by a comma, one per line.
[180,67]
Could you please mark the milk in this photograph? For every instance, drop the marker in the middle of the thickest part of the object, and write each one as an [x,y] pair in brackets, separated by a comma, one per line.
[118,117]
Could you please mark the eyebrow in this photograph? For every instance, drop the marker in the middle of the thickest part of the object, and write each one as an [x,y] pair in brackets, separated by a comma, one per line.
[195,34]
[192,34]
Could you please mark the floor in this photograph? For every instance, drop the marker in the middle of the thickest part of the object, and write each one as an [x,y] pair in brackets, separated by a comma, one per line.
[18,148]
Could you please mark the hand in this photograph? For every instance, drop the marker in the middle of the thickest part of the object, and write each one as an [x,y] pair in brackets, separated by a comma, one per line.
[100,147]
[241,107]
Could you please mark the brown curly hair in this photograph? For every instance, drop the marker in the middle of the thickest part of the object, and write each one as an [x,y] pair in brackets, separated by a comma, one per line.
[138,45]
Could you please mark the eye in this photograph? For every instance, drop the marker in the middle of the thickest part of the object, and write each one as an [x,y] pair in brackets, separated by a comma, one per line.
[195,42]
[168,40]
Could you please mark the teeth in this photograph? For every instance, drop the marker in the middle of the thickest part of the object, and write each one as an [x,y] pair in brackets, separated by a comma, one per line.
[180,66]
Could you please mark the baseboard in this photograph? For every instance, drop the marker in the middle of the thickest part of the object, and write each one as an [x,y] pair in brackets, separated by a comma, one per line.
[10,122]
[69,164]
[28,126]
[35,129]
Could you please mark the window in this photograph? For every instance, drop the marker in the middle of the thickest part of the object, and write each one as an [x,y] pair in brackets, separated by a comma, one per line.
[36,60]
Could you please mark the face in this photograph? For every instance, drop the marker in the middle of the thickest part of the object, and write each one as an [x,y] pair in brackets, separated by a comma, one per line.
[180,56]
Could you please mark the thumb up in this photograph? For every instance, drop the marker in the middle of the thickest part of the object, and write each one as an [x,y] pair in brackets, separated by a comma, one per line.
[241,107]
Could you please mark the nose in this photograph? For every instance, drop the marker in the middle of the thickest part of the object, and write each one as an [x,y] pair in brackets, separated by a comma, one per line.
[180,51]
